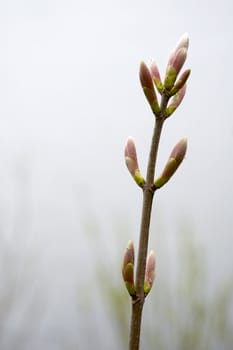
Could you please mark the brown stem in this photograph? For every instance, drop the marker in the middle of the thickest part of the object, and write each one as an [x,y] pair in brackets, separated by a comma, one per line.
[148,193]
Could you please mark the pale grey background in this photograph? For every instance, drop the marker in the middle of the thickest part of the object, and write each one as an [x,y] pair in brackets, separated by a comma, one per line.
[69,98]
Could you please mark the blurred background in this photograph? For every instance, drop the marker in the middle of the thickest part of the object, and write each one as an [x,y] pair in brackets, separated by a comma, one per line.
[69,98]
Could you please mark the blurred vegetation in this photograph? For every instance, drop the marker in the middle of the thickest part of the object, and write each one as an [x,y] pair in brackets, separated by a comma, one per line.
[183,311]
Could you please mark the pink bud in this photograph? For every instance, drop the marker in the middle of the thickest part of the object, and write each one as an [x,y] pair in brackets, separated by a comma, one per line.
[128,268]
[131,156]
[156,76]
[148,88]
[129,254]
[132,162]
[150,272]
[176,61]
[181,81]
[176,157]
[145,77]
[175,101]
[178,152]
[179,53]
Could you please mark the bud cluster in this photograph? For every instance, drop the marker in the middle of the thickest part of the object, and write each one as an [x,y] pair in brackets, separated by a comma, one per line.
[128,270]
[173,88]
[150,79]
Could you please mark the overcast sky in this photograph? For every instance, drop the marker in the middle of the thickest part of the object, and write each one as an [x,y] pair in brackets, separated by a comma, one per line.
[69,98]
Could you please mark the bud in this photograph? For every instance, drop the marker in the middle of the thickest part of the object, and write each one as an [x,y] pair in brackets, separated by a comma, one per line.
[176,61]
[132,162]
[156,77]
[148,88]
[175,159]
[150,273]
[128,268]
[180,83]
[174,66]
[175,101]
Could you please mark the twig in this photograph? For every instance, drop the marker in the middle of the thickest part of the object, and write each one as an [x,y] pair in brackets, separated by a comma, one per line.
[175,90]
